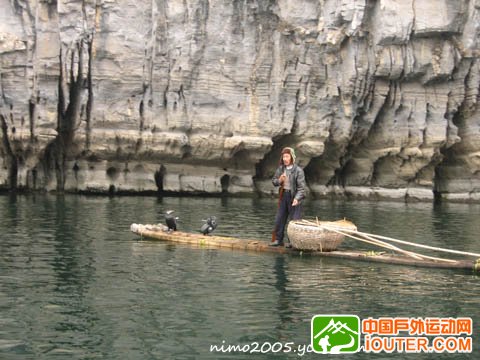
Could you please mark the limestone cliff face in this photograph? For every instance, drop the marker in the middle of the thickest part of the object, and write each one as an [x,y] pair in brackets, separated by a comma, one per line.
[380,98]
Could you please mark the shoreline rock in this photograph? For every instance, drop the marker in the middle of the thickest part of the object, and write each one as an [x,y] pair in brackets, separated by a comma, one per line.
[380,98]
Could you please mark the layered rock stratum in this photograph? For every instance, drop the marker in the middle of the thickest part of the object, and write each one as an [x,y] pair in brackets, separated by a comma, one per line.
[379,98]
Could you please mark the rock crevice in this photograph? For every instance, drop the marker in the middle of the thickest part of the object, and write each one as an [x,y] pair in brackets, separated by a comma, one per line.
[379,98]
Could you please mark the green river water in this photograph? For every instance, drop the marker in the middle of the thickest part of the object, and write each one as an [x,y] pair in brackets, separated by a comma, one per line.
[75,283]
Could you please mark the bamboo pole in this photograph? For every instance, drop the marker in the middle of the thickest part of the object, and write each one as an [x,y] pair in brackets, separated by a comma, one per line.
[416,245]
[366,240]
[371,240]
[405,252]
[377,243]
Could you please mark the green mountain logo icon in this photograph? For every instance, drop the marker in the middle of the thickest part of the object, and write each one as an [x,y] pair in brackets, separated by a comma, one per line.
[335,334]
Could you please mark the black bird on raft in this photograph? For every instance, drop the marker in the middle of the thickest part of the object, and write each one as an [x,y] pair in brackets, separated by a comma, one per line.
[171,220]
[209,226]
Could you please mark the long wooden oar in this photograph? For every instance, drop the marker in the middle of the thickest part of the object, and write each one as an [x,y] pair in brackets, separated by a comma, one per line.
[274,231]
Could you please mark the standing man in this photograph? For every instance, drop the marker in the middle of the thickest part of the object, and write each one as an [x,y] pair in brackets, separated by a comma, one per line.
[291,180]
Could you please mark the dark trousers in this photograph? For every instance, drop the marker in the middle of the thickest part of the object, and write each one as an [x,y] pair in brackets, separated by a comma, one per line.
[285,209]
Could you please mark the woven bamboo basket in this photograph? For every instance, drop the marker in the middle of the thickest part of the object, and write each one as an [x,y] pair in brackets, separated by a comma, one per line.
[315,237]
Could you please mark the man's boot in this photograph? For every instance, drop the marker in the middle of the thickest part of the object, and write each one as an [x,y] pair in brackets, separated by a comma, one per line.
[276,243]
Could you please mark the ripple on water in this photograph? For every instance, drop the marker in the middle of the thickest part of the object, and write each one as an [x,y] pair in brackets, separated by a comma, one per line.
[75,283]
[11,344]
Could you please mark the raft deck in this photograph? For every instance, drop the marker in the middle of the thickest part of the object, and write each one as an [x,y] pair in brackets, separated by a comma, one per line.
[159,232]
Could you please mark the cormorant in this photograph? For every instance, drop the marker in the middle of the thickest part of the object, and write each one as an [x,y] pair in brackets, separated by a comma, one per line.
[209,226]
[171,220]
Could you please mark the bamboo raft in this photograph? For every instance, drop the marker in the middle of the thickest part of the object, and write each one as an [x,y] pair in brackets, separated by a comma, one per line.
[159,232]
